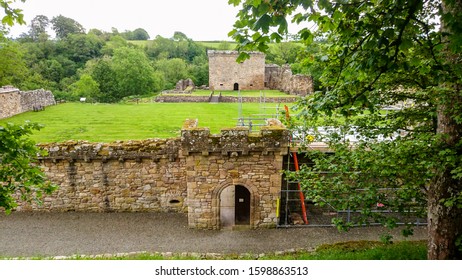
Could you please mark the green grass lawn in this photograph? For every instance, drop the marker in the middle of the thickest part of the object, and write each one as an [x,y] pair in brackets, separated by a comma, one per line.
[111,122]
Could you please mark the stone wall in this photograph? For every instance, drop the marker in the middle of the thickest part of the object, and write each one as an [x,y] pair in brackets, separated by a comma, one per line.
[173,98]
[10,102]
[235,157]
[227,74]
[186,174]
[252,74]
[281,78]
[121,176]
[13,101]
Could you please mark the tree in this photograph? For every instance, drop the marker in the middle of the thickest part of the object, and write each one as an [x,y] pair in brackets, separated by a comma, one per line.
[134,73]
[82,47]
[382,53]
[12,64]
[103,74]
[284,53]
[85,87]
[63,26]
[38,28]
[174,70]
[20,173]
[137,34]
[114,43]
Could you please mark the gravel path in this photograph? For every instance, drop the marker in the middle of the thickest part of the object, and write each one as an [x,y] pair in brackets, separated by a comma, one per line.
[66,234]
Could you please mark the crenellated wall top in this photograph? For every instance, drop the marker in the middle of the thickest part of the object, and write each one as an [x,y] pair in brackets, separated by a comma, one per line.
[232,142]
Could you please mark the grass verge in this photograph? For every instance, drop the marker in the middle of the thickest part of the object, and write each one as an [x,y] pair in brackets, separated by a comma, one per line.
[354,250]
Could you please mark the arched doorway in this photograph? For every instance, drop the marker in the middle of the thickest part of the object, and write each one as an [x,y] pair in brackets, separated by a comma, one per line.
[242,206]
[236,86]
[235,206]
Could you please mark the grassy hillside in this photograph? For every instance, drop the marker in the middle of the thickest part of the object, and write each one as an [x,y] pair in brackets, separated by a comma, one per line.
[110,122]
[208,44]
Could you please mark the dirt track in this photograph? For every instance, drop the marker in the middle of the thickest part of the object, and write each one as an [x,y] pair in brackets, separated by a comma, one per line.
[66,234]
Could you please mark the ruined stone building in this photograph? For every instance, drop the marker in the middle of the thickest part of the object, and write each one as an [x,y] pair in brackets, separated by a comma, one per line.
[14,102]
[227,74]
[253,74]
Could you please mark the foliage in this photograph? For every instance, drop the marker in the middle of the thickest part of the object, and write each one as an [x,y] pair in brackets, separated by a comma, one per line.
[19,171]
[134,74]
[38,28]
[180,46]
[284,53]
[13,68]
[85,87]
[64,26]
[82,47]
[174,69]
[137,34]
[380,54]
[12,14]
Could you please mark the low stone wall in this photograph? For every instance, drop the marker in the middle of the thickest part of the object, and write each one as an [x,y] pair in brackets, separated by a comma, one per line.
[223,99]
[233,99]
[186,174]
[174,98]
[14,102]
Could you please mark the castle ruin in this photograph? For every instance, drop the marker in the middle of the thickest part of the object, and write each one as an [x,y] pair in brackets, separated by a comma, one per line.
[225,73]
[14,102]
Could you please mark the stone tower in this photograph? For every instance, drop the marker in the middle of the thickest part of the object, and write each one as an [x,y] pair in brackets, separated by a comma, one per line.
[227,74]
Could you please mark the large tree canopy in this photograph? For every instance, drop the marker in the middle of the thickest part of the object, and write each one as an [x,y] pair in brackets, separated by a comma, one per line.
[379,54]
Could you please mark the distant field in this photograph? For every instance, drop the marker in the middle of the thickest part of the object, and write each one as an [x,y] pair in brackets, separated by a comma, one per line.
[207,44]
[110,122]
[217,44]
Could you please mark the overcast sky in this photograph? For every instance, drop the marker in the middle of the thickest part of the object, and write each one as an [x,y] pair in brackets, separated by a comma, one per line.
[200,20]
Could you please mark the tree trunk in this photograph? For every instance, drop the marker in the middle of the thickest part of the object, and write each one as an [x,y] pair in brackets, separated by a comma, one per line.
[445,221]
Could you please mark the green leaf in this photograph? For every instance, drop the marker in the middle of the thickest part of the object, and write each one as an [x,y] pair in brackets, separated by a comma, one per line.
[263,24]
[256,3]
[234,2]
[243,56]
[282,22]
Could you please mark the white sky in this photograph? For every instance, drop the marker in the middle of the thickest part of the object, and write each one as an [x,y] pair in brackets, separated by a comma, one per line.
[200,20]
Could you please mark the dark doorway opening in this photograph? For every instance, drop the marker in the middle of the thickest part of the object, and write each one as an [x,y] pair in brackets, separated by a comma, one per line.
[236,86]
[242,206]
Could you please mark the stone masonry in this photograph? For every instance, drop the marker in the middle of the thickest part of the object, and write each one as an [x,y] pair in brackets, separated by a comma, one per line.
[252,74]
[227,74]
[187,174]
[281,78]
[14,102]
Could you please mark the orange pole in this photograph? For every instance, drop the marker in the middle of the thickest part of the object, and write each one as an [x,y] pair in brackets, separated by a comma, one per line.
[302,197]
[297,168]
